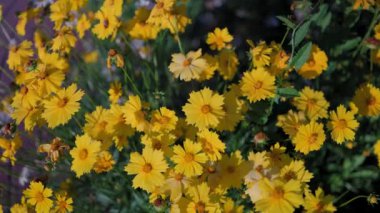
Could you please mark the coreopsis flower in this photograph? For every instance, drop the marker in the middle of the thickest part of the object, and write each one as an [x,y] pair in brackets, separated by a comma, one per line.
[19,54]
[234,108]
[148,169]
[219,39]
[117,128]
[116,6]
[363,4]
[204,108]
[28,114]
[376,151]
[200,199]
[185,130]
[62,106]
[108,24]
[64,40]
[161,142]
[279,60]
[310,137]
[189,159]
[233,169]
[138,28]
[176,20]
[23,18]
[342,125]
[227,63]
[277,157]
[115,92]
[367,100]
[97,126]
[211,144]
[10,147]
[177,183]
[277,196]
[39,196]
[60,12]
[54,149]
[259,167]
[83,25]
[163,120]
[26,96]
[315,65]
[63,203]
[104,162]
[312,102]
[21,207]
[230,206]
[291,121]
[258,85]
[84,154]
[114,59]
[209,72]
[296,171]
[134,114]
[319,202]
[189,66]
[261,54]
[160,11]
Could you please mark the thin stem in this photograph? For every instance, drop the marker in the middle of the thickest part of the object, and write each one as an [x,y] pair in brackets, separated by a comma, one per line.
[341,196]
[351,200]
[127,78]
[375,18]
[6,74]
[5,33]
[286,35]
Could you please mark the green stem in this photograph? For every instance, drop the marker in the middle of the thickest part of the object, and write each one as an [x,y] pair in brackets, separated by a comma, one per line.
[127,78]
[286,35]
[375,18]
[351,200]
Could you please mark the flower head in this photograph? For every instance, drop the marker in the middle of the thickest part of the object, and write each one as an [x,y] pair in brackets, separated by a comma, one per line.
[219,39]
[310,137]
[39,196]
[367,99]
[342,125]
[258,85]
[189,66]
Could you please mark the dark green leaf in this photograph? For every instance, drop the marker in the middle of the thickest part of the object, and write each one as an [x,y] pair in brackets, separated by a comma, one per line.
[288,92]
[286,22]
[300,33]
[301,57]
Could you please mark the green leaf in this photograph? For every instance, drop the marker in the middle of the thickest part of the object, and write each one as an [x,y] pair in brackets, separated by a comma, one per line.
[286,22]
[300,33]
[288,92]
[301,57]
[325,21]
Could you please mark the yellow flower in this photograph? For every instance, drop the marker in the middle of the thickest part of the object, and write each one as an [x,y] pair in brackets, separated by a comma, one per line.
[227,63]
[319,203]
[26,96]
[60,12]
[148,168]
[189,159]
[164,120]
[367,100]
[342,124]
[363,4]
[116,6]
[232,170]
[258,85]
[134,114]
[64,41]
[176,183]
[108,24]
[115,92]
[19,208]
[189,66]
[211,144]
[160,11]
[114,59]
[98,126]
[29,114]
[63,203]
[310,137]
[19,54]
[279,60]
[212,65]
[62,106]
[219,39]
[10,147]
[84,154]
[159,142]
[118,128]
[291,121]
[138,28]
[175,20]
[296,171]
[104,163]
[39,196]
[83,25]
[312,102]
[261,54]
[205,109]
[200,199]
[278,196]
[315,65]
[229,206]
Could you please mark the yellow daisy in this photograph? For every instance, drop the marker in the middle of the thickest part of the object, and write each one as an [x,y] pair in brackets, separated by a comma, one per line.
[19,54]
[310,137]
[39,196]
[63,203]
[319,203]
[312,102]
[134,114]
[219,39]
[258,85]
[261,54]
[315,65]
[115,92]
[367,100]
[227,63]
[342,125]
[211,144]
[163,120]
[205,109]
[189,66]
[200,199]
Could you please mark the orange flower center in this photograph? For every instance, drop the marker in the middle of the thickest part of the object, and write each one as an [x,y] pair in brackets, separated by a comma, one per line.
[24,90]
[211,169]
[371,101]
[39,197]
[311,63]
[62,204]
[178,176]
[160,5]
[164,120]
[313,138]
[230,169]
[342,124]
[83,154]
[147,168]
[187,62]
[278,193]
[62,102]
[189,157]
[290,175]
[258,85]
[157,144]
[106,23]
[206,109]
[200,207]
[311,102]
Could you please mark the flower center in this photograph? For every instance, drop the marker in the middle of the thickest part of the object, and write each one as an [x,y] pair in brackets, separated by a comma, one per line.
[160,5]
[230,169]
[278,193]
[187,62]
[311,63]
[106,23]
[83,154]
[371,101]
[147,168]
[178,176]
[311,102]
[189,157]
[200,207]
[24,90]
[62,204]
[39,197]
[206,109]
[258,85]
[290,175]
[211,169]
[164,120]
[157,145]
[62,102]
[313,138]
[342,124]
